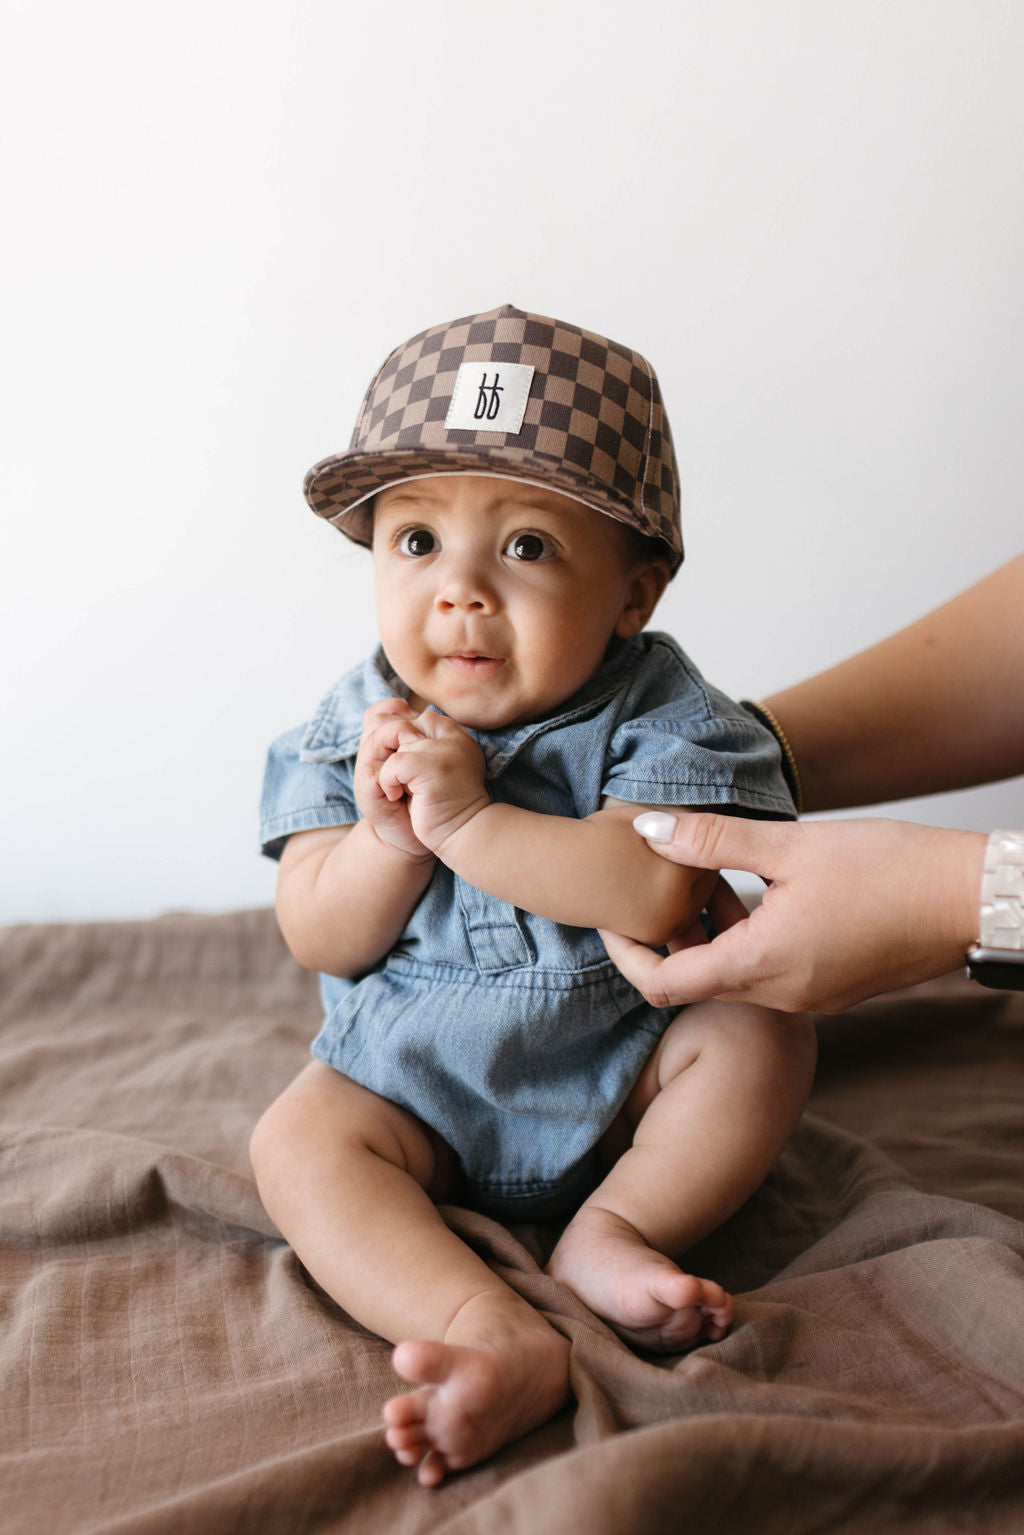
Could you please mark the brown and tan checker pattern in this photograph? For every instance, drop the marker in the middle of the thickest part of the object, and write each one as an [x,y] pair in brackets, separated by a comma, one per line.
[595,427]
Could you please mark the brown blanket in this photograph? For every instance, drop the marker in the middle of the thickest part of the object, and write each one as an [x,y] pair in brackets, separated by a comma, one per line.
[168,1367]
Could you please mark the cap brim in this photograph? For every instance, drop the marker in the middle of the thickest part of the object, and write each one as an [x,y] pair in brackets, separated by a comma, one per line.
[340,488]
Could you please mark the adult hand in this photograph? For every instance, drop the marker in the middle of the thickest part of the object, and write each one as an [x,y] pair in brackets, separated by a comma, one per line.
[853,908]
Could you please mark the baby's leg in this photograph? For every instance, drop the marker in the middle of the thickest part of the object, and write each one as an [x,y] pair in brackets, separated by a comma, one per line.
[347,1177]
[712,1110]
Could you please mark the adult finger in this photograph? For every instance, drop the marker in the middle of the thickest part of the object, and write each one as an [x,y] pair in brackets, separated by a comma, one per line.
[708,841]
[713,969]
[725,908]
[694,935]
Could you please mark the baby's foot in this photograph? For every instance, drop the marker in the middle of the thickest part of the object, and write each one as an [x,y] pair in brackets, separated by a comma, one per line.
[499,1373]
[646,1298]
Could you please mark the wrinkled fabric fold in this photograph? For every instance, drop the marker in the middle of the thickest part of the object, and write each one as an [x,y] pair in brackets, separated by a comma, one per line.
[166,1365]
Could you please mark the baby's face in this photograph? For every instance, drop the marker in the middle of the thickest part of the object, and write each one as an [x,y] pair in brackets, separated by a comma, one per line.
[496,599]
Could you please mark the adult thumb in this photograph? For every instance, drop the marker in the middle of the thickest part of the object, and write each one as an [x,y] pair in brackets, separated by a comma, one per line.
[704,840]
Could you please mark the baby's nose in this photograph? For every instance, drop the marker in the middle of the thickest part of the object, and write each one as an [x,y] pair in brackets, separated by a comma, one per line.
[465,585]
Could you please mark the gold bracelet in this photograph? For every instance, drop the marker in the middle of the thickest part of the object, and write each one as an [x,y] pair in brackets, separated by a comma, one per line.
[789,767]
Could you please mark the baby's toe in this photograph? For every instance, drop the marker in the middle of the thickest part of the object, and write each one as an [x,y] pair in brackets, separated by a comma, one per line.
[412,1456]
[713,1297]
[675,1290]
[407,1442]
[422,1361]
[717,1306]
[432,1469]
[410,1407]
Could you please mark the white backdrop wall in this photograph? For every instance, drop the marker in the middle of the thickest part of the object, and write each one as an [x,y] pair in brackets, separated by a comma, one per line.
[221,216]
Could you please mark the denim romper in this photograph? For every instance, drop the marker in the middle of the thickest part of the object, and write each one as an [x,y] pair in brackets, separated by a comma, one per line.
[514,1037]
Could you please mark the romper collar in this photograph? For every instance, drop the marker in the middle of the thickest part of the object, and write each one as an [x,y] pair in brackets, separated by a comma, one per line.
[336,728]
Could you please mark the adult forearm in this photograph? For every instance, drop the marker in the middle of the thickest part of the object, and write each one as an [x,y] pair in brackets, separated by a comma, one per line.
[588,873]
[937,706]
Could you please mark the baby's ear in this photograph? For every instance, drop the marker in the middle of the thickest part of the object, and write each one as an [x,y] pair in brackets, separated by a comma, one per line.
[646,585]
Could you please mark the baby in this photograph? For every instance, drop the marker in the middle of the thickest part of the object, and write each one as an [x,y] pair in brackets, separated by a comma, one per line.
[453,826]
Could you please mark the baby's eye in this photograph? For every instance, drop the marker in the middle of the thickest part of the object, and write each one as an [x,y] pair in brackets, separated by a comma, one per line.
[529,546]
[417,542]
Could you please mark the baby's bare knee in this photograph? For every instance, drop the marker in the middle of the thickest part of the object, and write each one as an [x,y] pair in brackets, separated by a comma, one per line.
[325,1122]
[743,1036]
[787,1041]
[298,1128]
[799,1035]
[276,1143]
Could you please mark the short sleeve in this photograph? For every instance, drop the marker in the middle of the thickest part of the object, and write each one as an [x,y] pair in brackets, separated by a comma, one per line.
[697,747]
[301,795]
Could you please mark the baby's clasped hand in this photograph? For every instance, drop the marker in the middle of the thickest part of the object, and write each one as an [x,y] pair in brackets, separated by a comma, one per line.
[438,771]
[389,817]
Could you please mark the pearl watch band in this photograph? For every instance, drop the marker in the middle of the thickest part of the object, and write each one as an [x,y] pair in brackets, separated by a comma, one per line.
[998,960]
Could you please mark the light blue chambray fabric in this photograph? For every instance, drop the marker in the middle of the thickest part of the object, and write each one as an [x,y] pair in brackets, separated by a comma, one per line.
[514,1036]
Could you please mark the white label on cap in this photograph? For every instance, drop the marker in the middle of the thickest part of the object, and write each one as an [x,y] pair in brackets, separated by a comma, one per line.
[490,397]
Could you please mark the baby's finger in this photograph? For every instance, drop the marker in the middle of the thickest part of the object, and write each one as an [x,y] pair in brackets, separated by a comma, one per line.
[397,770]
[385,707]
[391,788]
[384,737]
[437,726]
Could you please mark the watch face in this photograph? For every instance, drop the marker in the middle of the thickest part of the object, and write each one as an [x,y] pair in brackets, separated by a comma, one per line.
[1000,969]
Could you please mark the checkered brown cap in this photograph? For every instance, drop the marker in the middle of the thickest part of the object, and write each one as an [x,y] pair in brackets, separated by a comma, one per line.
[594,426]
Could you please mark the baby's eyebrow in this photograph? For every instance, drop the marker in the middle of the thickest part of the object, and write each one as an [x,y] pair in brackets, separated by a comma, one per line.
[403,493]
[405,498]
[539,500]
[538,503]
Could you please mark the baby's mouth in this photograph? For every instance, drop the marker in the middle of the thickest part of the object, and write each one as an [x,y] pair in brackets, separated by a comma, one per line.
[469,664]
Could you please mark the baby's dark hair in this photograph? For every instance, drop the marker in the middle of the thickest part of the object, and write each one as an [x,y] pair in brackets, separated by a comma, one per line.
[646,547]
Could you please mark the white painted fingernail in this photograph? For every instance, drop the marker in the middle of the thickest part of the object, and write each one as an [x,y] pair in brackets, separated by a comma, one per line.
[655,825]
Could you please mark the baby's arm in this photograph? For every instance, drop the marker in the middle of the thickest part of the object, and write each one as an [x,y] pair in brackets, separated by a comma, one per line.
[586,873]
[344,897]
[345,894]
[582,872]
